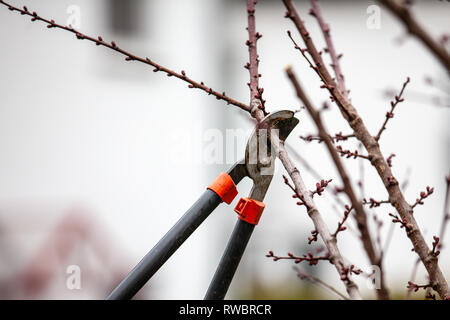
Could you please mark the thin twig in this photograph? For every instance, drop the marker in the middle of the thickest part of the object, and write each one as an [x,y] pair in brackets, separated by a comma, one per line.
[310,258]
[304,276]
[349,154]
[387,242]
[336,138]
[341,226]
[361,181]
[446,217]
[256,100]
[423,195]
[313,212]
[390,114]
[129,56]
[316,175]
[372,203]
[379,226]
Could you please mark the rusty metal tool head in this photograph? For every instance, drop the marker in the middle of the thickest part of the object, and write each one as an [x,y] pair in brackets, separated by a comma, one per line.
[259,166]
[259,153]
[259,162]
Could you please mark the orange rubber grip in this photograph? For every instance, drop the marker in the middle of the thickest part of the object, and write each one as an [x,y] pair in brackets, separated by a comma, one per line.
[249,210]
[224,187]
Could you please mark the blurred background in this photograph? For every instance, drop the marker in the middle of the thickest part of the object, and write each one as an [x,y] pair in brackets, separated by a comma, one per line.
[100,157]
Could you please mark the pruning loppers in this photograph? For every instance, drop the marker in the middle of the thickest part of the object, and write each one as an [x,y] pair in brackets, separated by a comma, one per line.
[259,166]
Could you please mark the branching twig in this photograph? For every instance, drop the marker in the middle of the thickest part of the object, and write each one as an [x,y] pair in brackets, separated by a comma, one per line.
[341,226]
[390,114]
[372,203]
[389,159]
[403,223]
[349,154]
[129,56]
[336,138]
[314,172]
[310,258]
[412,278]
[415,287]
[434,251]
[423,195]
[377,159]
[320,187]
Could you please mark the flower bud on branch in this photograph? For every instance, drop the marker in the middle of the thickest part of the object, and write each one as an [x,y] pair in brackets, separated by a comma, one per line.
[310,258]
[423,195]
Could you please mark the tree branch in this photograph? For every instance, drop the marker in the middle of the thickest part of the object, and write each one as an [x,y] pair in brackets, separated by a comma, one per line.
[360,214]
[129,56]
[402,12]
[377,159]
[256,100]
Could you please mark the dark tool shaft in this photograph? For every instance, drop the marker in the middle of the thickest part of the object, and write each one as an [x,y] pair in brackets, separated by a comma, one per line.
[230,261]
[162,251]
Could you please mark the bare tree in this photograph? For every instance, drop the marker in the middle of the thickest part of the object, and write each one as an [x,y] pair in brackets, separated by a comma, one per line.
[353,205]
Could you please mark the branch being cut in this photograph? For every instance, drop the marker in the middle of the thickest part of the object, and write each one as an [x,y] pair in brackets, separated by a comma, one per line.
[256,100]
[360,214]
[377,159]
[279,148]
[401,11]
[129,56]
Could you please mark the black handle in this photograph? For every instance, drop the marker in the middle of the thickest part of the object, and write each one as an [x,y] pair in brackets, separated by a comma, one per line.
[162,251]
[230,261]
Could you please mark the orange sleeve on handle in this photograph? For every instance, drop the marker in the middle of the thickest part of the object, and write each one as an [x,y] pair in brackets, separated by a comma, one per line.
[249,210]
[224,187]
